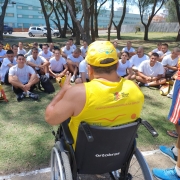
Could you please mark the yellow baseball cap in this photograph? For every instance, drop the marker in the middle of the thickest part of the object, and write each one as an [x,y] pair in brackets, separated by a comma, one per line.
[101,50]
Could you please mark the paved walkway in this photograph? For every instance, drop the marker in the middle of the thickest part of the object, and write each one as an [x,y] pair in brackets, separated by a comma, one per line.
[154,160]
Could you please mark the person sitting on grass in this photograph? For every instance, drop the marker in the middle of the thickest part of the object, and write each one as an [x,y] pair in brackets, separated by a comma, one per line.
[72,45]
[138,58]
[156,49]
[121,100]
[172,152]
[150,72]
[129,49]
[83,73]
[45,52]
[73,61]
[8,62]
[124,68]
[164,51]
[58,65]
[14,48]
[20,48]
[84,49]
[170,62]
[51,47]
[35,44]
[2,53]
[117,50]
[38,63]
[23,79]
[66,50]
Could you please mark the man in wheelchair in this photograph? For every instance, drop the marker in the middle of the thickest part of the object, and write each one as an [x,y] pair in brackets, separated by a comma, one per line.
[106,101]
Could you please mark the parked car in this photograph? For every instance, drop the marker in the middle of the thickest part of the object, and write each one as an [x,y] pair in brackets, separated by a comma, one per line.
[37,31]
[7,29]
[53,31]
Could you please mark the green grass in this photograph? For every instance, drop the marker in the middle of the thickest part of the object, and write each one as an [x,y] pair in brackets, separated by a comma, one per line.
[26,139]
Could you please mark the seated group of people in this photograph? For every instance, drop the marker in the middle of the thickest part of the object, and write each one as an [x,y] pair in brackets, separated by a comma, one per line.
[55,62]
[148,70]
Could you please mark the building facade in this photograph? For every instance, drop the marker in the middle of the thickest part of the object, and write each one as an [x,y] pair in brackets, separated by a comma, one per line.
[23,14]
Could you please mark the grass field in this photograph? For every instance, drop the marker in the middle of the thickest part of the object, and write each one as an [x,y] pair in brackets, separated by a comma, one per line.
[26,139]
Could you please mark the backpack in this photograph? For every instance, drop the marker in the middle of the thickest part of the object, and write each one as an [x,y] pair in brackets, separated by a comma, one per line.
[46,84]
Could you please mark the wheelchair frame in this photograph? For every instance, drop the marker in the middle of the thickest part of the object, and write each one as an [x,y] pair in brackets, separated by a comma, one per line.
[65,155]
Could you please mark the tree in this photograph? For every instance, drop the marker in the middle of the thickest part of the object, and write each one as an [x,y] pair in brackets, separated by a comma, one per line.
[47,16]
[118,27]
[111,19]
[150,7]
[177,5]
[170,6]
[3,12]
[96,13]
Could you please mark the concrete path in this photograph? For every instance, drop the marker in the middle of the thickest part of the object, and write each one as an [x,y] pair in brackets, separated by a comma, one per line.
[155,159]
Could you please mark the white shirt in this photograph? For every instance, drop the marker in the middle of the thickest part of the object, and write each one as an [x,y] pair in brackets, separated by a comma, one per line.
[4,67]
[83,68]
[2,53]
[154,71]
[155,50]
[121,70]
[167,60]
[40,60]
[46,56]
[136,61]
[66,51]
[83,51]
[125,49]
[161,53]
[23,74]
[73,47]
[21,51]
[73,59]
[57,65]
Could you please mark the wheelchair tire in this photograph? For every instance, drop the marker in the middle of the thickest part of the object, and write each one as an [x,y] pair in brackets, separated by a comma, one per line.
[60,166]
[138,169]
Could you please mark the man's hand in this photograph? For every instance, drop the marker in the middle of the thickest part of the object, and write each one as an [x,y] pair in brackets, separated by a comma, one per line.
[148,78]
[77,64]
[67,84]
[27,87]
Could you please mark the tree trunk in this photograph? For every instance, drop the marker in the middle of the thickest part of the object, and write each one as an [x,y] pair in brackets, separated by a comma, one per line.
[178,36]
[111,19]
[58,24]
[96,21]
[3,9]
[121,21]
[92,22]
[177,5]
[146,30]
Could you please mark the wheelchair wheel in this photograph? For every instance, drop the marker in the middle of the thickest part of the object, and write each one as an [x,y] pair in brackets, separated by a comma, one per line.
[138,169]
[60,167]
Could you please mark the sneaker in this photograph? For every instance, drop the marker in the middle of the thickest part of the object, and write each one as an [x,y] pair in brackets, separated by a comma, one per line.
[169,153]
[34,96]
[140,84]
[166,174]
[170,95]
[20,97]
[72,78]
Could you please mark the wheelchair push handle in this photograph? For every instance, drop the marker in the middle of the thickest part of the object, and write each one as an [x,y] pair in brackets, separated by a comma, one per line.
[150,128]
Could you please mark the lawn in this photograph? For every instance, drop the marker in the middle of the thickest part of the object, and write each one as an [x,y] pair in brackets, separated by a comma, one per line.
[26,139]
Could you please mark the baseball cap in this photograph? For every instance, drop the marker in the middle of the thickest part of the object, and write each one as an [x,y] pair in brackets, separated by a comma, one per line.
[101,50]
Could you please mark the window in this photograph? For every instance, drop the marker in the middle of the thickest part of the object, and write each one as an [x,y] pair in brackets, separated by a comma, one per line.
[30,16]
[33,28]
[19,7]
[39,29]
[19,15]
[10,14]
[40,17]
[30,7]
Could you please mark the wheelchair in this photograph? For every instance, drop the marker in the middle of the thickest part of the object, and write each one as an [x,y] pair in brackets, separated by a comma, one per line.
[99,150]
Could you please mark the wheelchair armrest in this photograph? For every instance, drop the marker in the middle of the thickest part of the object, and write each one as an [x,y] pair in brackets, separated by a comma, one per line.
[150,128]
[66,132]
[87,132]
